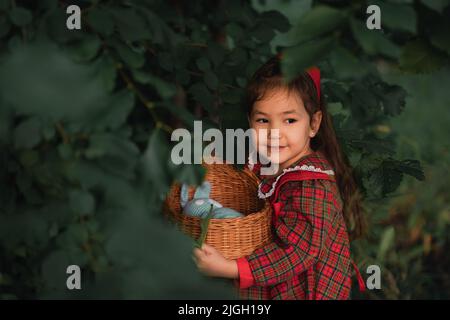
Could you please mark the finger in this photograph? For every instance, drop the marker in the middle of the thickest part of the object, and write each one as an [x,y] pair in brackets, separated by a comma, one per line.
[206,246]
[208,249]
[198,253]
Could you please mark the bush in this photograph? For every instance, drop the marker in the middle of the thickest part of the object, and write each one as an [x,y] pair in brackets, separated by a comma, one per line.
[86,117]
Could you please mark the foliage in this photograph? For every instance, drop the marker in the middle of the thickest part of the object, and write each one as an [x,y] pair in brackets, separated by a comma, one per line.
[86,117]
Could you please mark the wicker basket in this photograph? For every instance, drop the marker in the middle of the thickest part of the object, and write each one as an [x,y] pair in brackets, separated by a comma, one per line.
[233,237]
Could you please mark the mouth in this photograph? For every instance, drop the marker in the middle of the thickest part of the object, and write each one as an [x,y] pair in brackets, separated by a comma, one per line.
[279,147]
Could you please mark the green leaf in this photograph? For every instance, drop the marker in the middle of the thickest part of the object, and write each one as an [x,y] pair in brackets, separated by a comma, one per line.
[53,77]
[202,95]
[233,96]
[85,49]
[346,65]
[4,4]
[419,57]
[211,80]
[365,101]
[242,82]
[20,16]
[439,35]
[81,202]
[216,53]
[263,33]
[204,224]
[298,58]
[192,175]
[237,57]
[391,179]
[393,98]
[65,151]
[234,30]
[15,43]
[437,5]
[48,130]
[337,92]
[410,167]
[388,175]
[102,144]
[183,77]
[128,55]
[114,153]
[251,68]
[29,158]
[318,21]
[166,62]
[75,236]
[48,5]
[106,72]
[55,26]
[101,20]
[387,241]
[441,40]
[203,64]
[131,25]
[181,113]
[114,114]
[23,182]
[6,124]
[398,16]
[53,267]
[155,160]
[161,33]
[28,133]
[276,20]
[165,89]
[231,116]
[5,26]
[373,41]
[373,146]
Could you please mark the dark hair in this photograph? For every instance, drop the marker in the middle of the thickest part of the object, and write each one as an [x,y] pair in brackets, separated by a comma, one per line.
[268,77]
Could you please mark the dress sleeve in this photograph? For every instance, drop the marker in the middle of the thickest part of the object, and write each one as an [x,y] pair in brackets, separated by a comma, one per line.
[301,228]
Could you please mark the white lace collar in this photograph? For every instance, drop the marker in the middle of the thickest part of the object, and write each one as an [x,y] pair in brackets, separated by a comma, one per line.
[304,167]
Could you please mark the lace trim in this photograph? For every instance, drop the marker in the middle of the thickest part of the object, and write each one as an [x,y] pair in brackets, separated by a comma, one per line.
[251,163]
[304,167]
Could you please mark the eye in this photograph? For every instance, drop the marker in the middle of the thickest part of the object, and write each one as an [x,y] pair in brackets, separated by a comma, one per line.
[262,120]
[291,120]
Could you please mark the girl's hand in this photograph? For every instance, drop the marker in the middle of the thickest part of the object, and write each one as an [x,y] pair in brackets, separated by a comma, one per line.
[210,262]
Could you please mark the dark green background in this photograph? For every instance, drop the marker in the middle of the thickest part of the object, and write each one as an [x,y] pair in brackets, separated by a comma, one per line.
[86,116]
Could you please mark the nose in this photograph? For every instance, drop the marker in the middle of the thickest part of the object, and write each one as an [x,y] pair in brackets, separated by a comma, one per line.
[274,133]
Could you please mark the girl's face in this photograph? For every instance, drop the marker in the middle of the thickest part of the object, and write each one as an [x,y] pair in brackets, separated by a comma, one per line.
[286,112]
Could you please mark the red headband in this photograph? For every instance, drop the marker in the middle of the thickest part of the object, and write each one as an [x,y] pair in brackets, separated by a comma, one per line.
[314,73]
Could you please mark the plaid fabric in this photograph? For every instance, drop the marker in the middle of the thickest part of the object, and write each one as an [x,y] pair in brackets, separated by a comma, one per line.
[309,257]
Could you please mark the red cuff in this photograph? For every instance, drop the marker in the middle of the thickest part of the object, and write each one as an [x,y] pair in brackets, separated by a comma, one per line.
[246,279]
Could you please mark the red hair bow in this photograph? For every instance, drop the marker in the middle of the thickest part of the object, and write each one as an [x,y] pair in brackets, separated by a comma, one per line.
[314,73]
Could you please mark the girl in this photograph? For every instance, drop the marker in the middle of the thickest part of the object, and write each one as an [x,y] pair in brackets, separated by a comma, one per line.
[314,196]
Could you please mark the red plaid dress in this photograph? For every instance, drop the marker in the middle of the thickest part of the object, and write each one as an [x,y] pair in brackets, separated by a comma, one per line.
[309,257]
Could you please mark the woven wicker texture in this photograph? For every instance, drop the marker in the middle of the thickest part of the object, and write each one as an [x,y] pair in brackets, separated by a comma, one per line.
[233,237]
